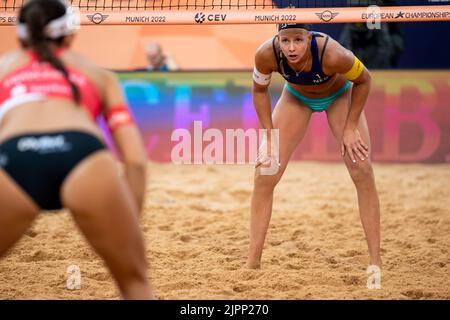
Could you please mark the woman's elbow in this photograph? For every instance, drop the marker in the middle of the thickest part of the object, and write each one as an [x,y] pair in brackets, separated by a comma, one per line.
[367,77]
[136,161]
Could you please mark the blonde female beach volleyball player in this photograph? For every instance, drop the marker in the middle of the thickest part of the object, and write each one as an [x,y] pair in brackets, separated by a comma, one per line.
[320,75]
[51,151]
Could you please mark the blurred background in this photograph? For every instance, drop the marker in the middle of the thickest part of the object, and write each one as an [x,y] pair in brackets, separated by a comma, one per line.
[173,75]
[418,45]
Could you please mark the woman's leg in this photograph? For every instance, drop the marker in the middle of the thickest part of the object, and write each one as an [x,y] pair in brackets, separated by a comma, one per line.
[17,212]
[291,117]
[103,207]
[361,173]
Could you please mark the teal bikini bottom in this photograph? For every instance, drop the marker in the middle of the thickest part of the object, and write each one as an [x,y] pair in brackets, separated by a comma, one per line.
[318,104]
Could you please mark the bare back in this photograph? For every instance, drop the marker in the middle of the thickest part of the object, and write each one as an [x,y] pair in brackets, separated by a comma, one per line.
[54,113]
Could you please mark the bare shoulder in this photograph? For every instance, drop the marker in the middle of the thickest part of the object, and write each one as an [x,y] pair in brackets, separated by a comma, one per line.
[82,62]
[9,61]
[109,81]
[321,37]
[336,58]
[265,50]
[265,60]
[92,70]
[106,81]
[109,76]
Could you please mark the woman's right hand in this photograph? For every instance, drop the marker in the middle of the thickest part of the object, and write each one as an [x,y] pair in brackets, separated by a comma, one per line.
[268,159]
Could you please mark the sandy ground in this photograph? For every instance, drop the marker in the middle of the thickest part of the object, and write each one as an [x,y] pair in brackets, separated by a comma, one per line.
[196,228]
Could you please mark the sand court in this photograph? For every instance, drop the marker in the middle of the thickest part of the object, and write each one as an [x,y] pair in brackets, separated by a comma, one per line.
[196,224]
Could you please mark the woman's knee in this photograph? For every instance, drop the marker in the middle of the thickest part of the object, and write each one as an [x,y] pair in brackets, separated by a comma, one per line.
[361,172]
[267,181]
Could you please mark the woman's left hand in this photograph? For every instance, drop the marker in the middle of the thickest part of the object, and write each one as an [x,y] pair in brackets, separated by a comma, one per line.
[354,145]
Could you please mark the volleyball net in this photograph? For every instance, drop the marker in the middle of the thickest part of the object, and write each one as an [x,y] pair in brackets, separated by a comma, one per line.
[192,12]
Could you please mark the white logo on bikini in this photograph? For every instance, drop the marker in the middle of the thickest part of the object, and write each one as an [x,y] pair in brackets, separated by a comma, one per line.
[18,90]
[320,80]
[3,160]
[45,144]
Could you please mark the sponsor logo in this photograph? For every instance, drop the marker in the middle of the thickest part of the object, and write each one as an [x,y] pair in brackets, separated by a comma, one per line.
[18,90]
[45,144]
[327,15]
[406,15]
[260,79]
[118,118]
[97,18]
[200,17]
[377,16]
[427,15]
[3,160]
[9,20]
[320,79]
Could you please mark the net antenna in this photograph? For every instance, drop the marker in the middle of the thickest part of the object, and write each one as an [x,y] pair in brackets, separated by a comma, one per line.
[205,12]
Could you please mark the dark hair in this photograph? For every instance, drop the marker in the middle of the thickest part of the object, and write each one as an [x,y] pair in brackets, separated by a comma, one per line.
[283,26]
[36,14]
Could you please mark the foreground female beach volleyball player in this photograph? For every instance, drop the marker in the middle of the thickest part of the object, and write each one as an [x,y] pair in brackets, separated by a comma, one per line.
[52,154]
[320,75]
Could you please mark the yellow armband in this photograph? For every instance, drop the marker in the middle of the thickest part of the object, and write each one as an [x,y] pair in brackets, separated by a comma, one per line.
[355,71]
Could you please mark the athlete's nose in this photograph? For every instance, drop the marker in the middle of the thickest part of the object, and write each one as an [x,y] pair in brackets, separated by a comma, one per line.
[291,46]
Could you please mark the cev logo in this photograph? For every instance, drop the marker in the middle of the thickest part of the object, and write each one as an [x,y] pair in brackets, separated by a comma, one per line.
[201,17]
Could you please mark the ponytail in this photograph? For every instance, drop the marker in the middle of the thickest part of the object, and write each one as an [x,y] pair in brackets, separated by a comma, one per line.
[36,15]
